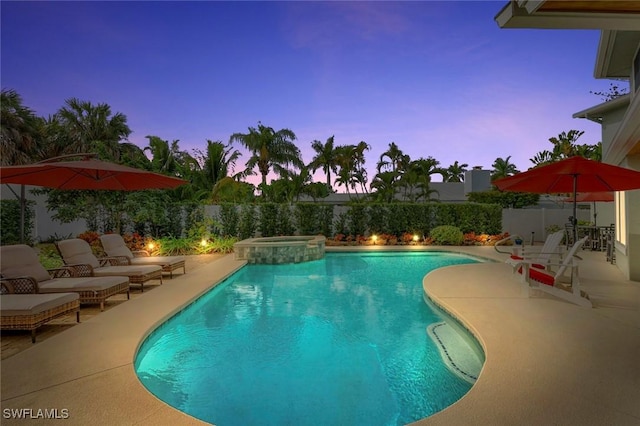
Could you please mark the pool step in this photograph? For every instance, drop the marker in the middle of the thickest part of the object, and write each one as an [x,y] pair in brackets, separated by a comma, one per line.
[458,355]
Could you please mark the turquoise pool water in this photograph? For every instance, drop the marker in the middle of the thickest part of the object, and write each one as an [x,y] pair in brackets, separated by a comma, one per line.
[338,341]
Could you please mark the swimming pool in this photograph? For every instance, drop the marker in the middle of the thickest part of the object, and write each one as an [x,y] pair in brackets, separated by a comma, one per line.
[337,341]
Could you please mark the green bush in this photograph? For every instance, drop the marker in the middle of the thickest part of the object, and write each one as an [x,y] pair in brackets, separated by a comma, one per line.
[228,219]
[10,221]
[447,235]
[285,224]
[268,219]
[247,226]
[307,218]
[357,219]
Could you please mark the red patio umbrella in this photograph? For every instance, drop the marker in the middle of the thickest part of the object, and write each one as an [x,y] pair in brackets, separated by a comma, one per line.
[603,197]
[88,173]
[583,197]
[572,175]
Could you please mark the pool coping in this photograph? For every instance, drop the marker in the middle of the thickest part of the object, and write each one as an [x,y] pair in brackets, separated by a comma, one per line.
[542,363]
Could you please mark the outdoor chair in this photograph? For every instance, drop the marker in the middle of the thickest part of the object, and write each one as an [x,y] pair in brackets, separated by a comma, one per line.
[24,309]
[555,283]
[77,253]
[22,269]
[539,258]
[115,247]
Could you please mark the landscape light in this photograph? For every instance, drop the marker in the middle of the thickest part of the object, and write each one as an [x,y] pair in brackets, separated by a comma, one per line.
[203,242]
[374,238]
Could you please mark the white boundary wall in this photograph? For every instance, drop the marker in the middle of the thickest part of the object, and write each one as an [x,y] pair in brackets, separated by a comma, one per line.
[525,221]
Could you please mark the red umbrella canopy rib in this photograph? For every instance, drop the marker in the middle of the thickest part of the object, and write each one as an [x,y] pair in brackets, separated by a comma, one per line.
[86,174]
[560,177]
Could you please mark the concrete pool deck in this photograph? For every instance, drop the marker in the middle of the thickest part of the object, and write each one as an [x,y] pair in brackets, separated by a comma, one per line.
[547,361]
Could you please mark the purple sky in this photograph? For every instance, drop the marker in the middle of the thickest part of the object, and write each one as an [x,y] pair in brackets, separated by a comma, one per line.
[438,78]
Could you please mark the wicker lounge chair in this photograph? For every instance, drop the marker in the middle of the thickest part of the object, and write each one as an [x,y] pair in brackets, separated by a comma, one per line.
[29,311]
[115,246]
[77,253]
[22,269]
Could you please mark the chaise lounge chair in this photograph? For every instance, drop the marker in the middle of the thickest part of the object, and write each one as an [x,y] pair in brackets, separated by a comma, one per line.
[29,311]
[77,253]
[115,247]
[22,269]
[554,283]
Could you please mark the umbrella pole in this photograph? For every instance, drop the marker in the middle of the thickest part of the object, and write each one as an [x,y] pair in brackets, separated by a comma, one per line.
[575,208]
[22,208]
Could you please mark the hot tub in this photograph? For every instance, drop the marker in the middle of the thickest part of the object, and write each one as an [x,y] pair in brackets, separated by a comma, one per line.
[277,250]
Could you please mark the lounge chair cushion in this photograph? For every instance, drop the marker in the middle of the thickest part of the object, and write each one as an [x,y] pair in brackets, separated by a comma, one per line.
[114,245]
[31,304]
[126,270]
[541,277]
[77,251]
[20,260]
[157,260]
[81,284]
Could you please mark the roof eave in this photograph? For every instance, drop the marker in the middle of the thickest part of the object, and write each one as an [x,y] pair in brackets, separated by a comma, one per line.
[513,16]
[596,112]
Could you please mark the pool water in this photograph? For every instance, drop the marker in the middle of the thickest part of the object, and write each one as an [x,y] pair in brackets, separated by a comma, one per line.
[338,341]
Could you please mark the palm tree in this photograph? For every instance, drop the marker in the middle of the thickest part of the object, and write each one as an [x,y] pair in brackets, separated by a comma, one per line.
[417,177]
[565,146]
[269,149]
[351,171]
[397,160]
[164,156]
[384,186]
[215,163]
[455,172]
[325,158]
[542,158]
[90,128]
[19,130]
[503,168]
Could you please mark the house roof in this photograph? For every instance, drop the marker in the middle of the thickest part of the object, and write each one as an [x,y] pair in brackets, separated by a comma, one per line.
[616,50]
[595,113]
[571,14]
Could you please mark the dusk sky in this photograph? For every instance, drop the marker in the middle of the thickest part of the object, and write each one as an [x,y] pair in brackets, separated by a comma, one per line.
[439,79]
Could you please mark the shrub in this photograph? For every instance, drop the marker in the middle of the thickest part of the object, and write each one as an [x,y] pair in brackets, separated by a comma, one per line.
[228,220]
[447,235]
[268,219]
[247,225]
[93,238]
[10,221]
[49,256]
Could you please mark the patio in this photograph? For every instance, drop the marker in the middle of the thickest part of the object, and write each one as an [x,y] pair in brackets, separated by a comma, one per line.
[547,361]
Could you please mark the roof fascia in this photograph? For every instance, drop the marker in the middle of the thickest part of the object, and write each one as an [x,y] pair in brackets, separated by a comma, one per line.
[513,16]
[596,112]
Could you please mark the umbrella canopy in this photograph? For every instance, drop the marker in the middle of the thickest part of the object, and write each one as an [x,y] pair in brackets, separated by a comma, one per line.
[86,174]
[583,197]
[572,175]
[593,197]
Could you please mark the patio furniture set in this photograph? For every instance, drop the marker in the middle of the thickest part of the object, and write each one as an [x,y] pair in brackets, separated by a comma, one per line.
[31,295]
